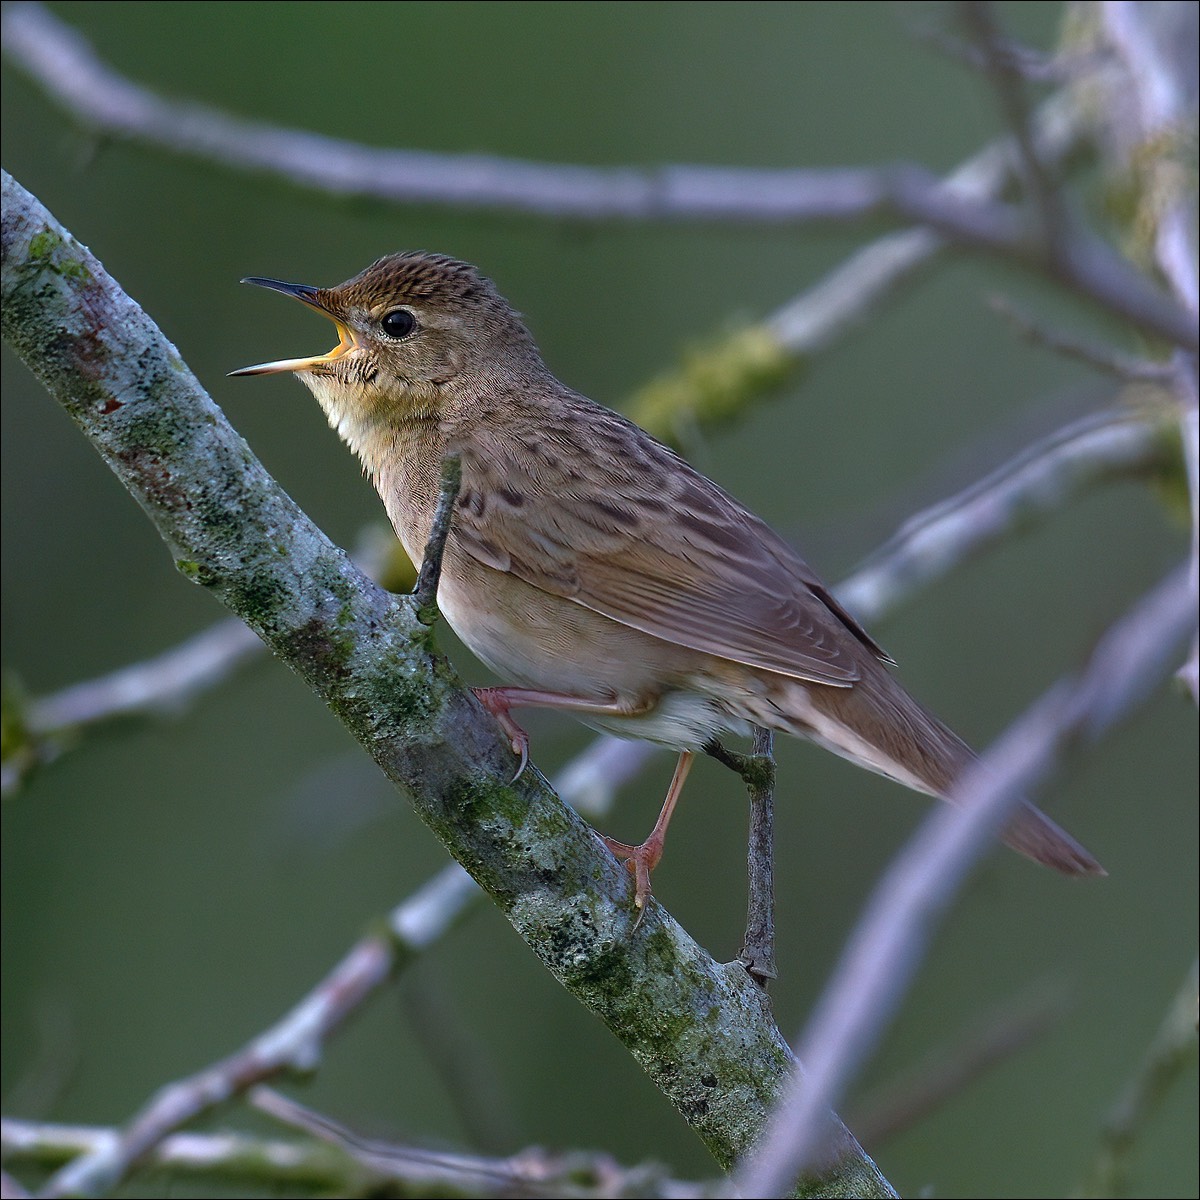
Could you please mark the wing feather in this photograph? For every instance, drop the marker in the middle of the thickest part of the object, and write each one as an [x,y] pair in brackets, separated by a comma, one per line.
[595,510]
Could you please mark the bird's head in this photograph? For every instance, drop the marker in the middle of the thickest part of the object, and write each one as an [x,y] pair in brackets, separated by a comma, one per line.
[419,334]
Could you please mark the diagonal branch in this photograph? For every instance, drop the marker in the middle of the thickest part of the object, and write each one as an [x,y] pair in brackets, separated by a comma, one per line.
[233,531]
[886,946]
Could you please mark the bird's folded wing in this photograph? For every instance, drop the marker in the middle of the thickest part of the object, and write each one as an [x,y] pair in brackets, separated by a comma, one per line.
[636,534]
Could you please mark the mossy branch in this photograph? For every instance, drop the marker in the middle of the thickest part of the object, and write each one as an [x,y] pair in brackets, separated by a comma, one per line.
[701,1030]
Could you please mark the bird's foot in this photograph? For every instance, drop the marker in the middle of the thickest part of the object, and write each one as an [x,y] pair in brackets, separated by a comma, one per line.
[497,702]
[639,861]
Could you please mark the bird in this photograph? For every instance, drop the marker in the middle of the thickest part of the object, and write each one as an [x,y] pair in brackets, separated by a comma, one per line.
[594,568]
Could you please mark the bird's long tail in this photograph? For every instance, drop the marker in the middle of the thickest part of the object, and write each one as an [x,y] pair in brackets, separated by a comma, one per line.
[1032,833]
[881,727]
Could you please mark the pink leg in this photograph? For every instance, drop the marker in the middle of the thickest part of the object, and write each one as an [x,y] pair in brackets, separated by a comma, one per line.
[641,860]
[500,700]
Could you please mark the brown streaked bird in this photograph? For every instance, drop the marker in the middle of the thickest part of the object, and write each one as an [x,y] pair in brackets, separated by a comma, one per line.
[594,568]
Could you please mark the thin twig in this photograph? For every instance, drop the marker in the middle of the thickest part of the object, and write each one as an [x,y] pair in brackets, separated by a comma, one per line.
[1152,116]
[1172,1051]
[165,684]
[293,1043]
[1031,64]
[533,1172]
[1098,357]
[1007,81]
[68,68]
[1102,446]
[1152,107]
[758,948]
[334,1165]
[10,1189]
[947,1071]
[890,938]
[428,578]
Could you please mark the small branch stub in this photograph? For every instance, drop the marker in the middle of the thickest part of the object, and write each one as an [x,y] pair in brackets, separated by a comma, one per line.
[757,771]
[425,592]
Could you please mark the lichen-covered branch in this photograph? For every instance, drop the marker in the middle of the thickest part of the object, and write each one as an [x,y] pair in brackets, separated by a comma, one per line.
[701,1030]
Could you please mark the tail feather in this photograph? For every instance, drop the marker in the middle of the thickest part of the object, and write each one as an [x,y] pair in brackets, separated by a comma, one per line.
[1032,833]
[881,727]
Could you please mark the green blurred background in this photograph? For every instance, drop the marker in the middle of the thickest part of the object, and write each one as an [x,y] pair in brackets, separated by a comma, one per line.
[171,888]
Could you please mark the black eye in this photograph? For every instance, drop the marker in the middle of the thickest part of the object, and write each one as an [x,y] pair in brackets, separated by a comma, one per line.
[398,323]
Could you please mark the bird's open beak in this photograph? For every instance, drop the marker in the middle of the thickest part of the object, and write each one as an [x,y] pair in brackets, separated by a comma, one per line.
[309,296]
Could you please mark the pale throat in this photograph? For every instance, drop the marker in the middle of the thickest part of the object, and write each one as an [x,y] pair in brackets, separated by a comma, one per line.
[360,415]
[400,450]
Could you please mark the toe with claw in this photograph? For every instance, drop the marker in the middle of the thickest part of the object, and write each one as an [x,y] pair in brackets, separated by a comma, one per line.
[639,861]
[498,704]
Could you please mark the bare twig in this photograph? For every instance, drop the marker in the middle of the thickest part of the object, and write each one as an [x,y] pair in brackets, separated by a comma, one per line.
[1107,445]
[532,1172]
[1023,60]
[294,1043]
[63,62]
[716,381]
[10,1189]
[757,771]
[67,68]
[165,683]
[890,938]
[224,1157]
[948,1070]
[1189,430]
[161,685]
[1152,116]
[1171,1052]
[1098,357]
[428,578]
[1152,111]
[1007,79]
